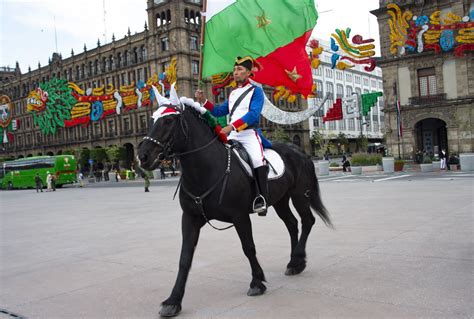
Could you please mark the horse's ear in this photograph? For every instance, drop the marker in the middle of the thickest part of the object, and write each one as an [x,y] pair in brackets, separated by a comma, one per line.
[159,98]
[174,99]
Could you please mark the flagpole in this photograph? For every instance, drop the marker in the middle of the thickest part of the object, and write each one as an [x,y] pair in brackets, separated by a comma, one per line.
[399,115]
[203,29]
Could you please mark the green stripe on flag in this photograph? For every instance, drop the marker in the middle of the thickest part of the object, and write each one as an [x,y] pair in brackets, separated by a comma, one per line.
[235,31]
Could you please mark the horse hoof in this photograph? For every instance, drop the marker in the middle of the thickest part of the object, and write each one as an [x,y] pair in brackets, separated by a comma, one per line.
[256,291]
[170,310]
[291,271]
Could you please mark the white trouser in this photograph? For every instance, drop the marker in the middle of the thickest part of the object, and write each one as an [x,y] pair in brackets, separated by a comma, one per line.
[252,143]
[443,163]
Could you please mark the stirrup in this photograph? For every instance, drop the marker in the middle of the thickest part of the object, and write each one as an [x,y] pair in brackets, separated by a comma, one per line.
[262,210]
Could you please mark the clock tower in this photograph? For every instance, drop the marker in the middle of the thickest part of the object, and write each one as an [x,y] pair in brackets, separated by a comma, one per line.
[175,27]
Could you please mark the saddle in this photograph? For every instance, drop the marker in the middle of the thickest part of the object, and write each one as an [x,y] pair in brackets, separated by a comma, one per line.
[275,163]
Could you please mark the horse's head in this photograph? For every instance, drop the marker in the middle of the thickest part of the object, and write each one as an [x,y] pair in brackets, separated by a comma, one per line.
[161,137]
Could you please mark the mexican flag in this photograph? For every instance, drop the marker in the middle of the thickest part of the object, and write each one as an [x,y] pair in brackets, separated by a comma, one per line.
[274,32]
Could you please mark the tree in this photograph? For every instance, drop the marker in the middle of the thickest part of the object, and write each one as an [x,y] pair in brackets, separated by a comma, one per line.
[362,142]
[115,153]
[342,141]
[98,155]
[280,135]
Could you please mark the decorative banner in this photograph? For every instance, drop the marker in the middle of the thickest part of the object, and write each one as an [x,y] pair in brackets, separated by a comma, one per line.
[58,103]
[335,112]
[350,107]
[418,34]
[368,101]
[7,124]
[359,52]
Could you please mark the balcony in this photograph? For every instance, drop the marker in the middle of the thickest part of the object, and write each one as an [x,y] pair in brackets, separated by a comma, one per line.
[429,99]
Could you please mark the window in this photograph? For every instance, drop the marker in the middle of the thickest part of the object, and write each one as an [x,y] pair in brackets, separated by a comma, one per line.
[339,75]
[373,83]
[328,73]
[165,45]
[348,90]
[339,91]
[126,125]
[332,125]
[427,82]
[351,124]
[165,65]
[357,79]
[342,124]
[143,121]
[366,81]
[348,77]
[194,67]
[317,72]
[330,90]
[319,89]
[111,126]
[193,42]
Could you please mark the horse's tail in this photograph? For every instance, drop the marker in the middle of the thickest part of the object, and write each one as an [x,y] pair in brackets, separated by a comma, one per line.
[315,199]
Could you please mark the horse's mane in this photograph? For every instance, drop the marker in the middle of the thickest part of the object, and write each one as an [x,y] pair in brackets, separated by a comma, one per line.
[209,121]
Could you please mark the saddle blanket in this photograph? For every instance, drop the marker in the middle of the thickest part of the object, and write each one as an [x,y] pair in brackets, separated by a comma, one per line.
[275,164]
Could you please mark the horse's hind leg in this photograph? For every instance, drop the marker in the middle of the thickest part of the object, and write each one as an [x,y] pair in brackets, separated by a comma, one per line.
[283,211]
[243,226]
[302,205]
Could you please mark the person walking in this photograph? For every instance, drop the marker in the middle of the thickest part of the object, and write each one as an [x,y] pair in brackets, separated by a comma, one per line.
[38,183]
[49,181]
[442,157]
[147,182]
[244,108]
[53,182]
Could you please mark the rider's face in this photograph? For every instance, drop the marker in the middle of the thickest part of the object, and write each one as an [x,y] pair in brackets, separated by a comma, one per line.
[241,73]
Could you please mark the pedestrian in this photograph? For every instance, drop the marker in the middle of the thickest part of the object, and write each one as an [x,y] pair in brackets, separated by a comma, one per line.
[117,176]
[442,157]
[53,182]
[81,179]
[38,183]
[49,181]
[162,172]
[345,163]
[147,182]
[244,108]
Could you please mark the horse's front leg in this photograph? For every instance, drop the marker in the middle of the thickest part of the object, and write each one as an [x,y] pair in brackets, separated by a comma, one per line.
[190,228]
[243,225]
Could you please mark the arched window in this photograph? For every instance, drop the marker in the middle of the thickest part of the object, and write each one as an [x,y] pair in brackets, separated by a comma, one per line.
[126,58]
[135,55]
[143,53]
[96,67]
[111,62]
[198,18]
[186,15]
[168,16]
[119,60]
[191,18]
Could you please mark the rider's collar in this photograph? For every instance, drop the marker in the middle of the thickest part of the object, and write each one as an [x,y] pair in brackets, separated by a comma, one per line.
[247,82]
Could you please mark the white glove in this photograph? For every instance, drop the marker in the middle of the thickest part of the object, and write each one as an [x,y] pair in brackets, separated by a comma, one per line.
[195,105]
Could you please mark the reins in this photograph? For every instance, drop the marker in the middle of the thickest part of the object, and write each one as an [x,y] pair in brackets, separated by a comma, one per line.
[197,199]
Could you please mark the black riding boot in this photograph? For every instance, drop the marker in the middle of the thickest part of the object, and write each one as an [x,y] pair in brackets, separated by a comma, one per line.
[260,202]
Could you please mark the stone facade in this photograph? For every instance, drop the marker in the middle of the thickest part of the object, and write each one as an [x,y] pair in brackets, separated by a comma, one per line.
[440,119]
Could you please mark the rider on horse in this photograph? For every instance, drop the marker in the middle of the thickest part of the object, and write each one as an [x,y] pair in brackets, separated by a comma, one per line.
[244,105]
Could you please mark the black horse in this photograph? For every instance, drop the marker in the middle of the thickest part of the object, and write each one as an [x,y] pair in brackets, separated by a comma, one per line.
[206,164]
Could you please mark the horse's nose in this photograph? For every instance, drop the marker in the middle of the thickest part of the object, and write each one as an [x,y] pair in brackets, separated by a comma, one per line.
[142,158]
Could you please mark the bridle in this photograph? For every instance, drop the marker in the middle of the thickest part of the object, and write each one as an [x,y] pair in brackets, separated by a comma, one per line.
[167,147]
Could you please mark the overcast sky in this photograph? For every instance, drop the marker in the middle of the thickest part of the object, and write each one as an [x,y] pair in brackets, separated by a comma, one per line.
[27,30]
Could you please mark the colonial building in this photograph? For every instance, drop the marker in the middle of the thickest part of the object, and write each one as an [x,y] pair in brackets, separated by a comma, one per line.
[172,31]
[428,66]
[340,84]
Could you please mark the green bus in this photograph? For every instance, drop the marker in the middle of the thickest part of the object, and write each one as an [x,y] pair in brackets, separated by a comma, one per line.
[21,173]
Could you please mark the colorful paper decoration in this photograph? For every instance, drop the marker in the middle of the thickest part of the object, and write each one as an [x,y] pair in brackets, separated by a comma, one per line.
[360,51]
[58,103]
[7,124]
[416,34]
